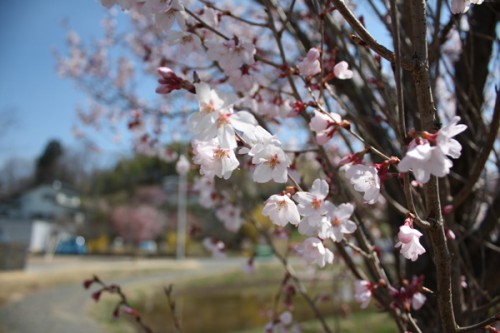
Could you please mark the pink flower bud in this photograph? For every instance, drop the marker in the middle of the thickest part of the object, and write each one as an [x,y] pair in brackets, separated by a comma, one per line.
[169,81]
[450,234]
[448,209]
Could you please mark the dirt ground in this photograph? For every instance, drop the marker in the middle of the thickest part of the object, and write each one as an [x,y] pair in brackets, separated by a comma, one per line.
[48,295]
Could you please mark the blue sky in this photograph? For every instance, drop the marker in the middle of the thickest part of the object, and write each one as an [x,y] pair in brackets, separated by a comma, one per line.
[42,104]
[31,93]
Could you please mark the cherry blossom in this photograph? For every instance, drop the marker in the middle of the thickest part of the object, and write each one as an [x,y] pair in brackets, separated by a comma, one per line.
[338,223]
[231,54]
[409,295]
[418,300]
[227,123]
[215,247]
[281,210]
[462,6]
[217,118]
[310,65]
[167,155]
[207,197]
[241,79]
[271,163]
[445,141]
[312,203]
[363,292]
[284,324]
[230,215]
[311,225]
[365,179]
[170,14]
[204,123]
[341,71]
[425,161]
[213,159]
[258,139]
[325,125]
[314,252]
[409,242]
[188,43]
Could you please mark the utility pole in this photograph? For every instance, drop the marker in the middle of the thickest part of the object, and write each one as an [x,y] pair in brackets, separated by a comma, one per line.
[181,217]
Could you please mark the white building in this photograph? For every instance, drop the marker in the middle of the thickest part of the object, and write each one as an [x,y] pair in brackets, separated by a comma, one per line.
[40,215]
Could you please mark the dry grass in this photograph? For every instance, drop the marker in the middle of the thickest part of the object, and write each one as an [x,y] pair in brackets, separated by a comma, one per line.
[15,285]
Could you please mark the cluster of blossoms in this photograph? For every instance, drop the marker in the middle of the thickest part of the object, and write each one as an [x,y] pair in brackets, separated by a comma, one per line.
[321,219]
[311,66]
[428,155]
[223,129]
[409,295]
[216,128]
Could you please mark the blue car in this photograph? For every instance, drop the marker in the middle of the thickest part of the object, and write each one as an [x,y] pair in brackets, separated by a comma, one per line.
[74,245]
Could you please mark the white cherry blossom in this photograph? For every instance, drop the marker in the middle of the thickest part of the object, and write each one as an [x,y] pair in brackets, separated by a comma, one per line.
[171,14]
[425,161]
[242,80]
[314,252]
[205,186]
[203,124]
[311,225]
[215,247]
[339,223]
[409,242]
[271,163]
[213,159]
[231,54]
[281,210]
[312,203]
[342,71]
[310,65]
[365,179]
[324,125]
[230,215]
[418,300]
[445,141]
[362,292]
[188,43]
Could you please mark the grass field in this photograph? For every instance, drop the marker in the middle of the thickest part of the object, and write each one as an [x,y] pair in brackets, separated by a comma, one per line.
[238,302]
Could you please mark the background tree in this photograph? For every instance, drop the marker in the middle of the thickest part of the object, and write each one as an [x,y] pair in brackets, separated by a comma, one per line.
[138,223]
[47,167]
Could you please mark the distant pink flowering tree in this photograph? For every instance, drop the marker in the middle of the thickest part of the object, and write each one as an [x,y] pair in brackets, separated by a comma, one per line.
[138,223]
[369,142]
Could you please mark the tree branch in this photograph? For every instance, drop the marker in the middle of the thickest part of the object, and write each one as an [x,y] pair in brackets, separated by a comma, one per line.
[366,36]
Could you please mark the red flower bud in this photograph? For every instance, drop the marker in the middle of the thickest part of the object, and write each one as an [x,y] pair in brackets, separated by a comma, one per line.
[97,295]
[87,283]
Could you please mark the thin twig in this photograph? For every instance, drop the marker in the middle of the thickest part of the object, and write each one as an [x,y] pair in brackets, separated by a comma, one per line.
[482,159]
[366,36]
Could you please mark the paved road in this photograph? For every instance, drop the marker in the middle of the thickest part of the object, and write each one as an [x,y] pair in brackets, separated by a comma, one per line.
[63,309]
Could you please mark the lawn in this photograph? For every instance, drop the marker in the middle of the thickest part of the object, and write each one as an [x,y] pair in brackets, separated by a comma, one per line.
[239,302]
